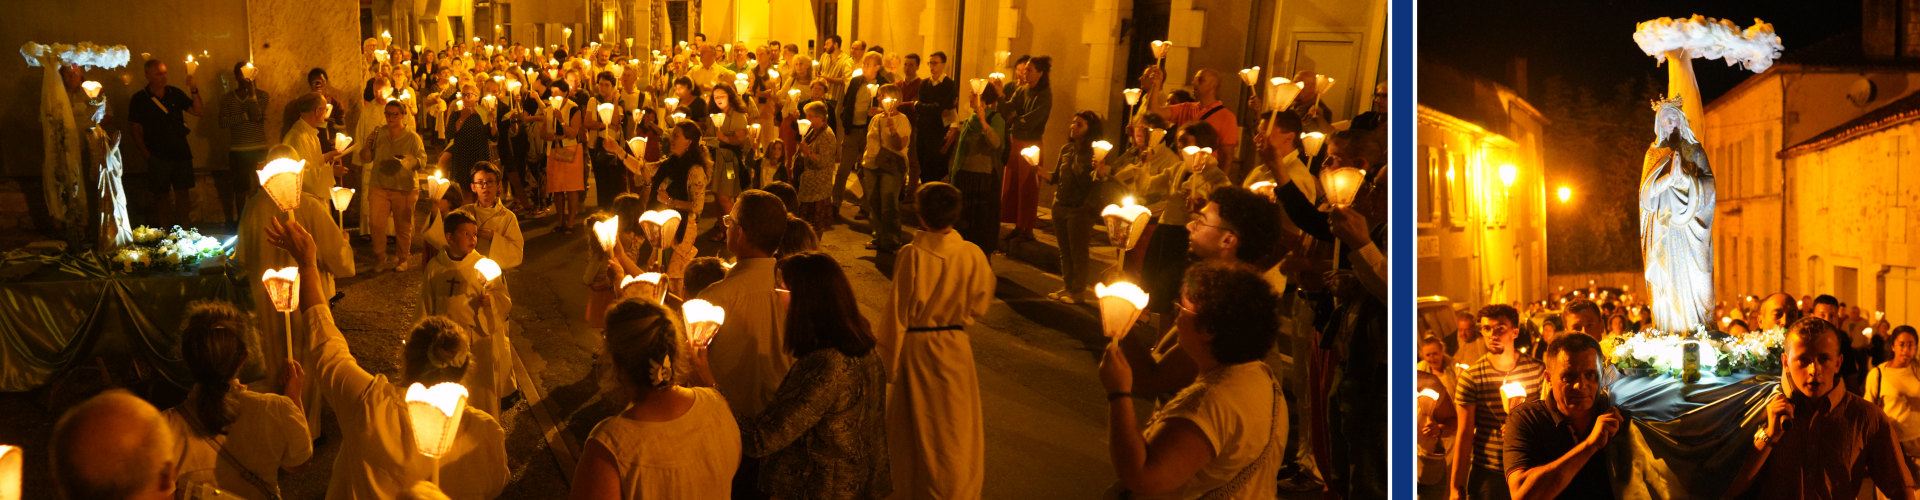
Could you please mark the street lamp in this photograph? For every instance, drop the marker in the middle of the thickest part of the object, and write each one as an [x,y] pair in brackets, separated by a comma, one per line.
[1565,193]
[1507,174]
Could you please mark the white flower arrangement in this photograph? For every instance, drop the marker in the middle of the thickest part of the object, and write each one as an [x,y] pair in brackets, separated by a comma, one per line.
[1703,37]
[163,250]
[85,54]
[1659,353]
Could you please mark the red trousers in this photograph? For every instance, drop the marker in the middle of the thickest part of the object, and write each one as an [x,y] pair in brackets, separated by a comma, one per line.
[1020,189]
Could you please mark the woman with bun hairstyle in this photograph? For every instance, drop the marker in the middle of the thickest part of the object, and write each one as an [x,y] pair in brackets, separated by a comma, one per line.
[377,457]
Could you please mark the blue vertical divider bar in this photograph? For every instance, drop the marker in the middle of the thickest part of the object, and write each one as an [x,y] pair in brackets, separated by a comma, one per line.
[1400,425]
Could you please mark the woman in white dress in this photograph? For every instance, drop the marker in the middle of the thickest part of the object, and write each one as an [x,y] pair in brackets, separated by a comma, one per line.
[231,438]
[670,441]
[1221,436]
[1895,387]
[377,457]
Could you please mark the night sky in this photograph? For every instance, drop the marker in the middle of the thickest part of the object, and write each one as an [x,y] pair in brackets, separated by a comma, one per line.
[1591,42]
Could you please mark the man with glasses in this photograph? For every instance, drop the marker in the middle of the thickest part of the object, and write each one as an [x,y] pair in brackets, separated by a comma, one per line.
[1235,227]
[748,354]
[1482,406]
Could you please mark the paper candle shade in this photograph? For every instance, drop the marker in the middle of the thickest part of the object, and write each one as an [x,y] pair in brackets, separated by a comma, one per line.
[1510,391]
[1250,76]
[1001,78]
[1340,185]
[1313,141]
[805,125]
[499,78]
[607,231]
[888,104]
[1160,49]
[459,105]
[386,36]
[753,131]
[646,286]
[979,85]
[1100,150]
[487,102]
[556,101]
[12,460]
[1125,223]
[1321,83]
[1120,306]
[793,94]
[437,185]
[283,288]
[488,269]
[1264,188]
[857,72]
[341,198]
[1191,154]
[638,145]
[1425,402]
[659,225]
[773,74]
[719,120]
[341,141]
[247,71]
[1031,154]
[606,112]
[281,179]
[92,88]
[192,65]
[672,103]
[1280,93]
[513,87]
[873,89]
[679,117]
[435,415]
[1133,96]
[703,320]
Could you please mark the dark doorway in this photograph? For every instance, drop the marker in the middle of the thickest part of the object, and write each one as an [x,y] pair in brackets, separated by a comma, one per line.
[1149,23]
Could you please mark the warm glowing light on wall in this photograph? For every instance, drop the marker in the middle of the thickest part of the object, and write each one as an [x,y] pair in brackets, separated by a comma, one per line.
[1508,173]
[1565,193]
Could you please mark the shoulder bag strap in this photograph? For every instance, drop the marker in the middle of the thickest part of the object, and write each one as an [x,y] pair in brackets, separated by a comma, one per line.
[258,484]
[1268,453]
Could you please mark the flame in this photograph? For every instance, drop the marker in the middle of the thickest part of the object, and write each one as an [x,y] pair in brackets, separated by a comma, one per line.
[607,232]
[1120,306]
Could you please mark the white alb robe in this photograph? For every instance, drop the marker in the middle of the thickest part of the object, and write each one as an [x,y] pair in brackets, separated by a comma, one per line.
[934,424]
[448,289]
[257,256]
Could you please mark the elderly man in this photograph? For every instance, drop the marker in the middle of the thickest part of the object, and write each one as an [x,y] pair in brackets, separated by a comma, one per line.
[1554,445]
[1819,441]
[113,446]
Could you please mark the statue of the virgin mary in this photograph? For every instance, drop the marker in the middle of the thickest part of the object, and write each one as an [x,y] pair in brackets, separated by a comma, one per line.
[1676,183]
[1676,222]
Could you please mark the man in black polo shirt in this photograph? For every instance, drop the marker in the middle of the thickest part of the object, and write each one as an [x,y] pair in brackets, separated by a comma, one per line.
[1554,445]
[160,135]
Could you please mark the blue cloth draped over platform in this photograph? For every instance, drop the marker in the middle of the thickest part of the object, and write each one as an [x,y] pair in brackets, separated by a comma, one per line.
[1686,440]
[59,318]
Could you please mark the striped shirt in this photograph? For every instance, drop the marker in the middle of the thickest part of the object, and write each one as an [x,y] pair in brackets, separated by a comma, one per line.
[1479,386]
[246,119]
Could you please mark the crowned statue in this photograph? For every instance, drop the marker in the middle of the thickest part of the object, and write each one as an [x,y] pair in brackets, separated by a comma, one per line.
[75,144]
[1676,182]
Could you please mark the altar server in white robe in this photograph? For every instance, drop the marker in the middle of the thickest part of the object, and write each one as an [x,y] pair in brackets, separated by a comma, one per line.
[451,287]
[498,238]
[256,256]
[747,354]
[377,458]
[304,137]
[941,284]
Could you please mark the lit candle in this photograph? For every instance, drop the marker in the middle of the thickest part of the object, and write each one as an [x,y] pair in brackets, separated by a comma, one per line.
[1120,306]
[606,110]
[659,225]
[341,198]
[92,88]
[1313,141]
[12,461]
[1160,49]
[1250,76]
[283,288]
[437,185]
[1125,222]
[247,71]
[281,179]
[489,270]
[637,144]
[672,103]
[646,285]
[703,320]
[887,104]
[434,415]
[857,72]
[192,65]
[1031,154]
[1341,184]
[719,120]
[386,37]
[1100,149]
[1511,391]
[607,232]
[805,125]
[1280,92]
[1133,96]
